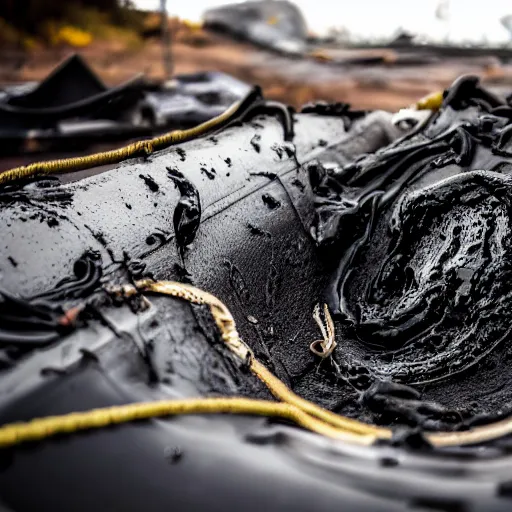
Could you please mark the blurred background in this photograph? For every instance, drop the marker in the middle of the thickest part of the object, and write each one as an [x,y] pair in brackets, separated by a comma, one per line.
[120,38]
[369,53]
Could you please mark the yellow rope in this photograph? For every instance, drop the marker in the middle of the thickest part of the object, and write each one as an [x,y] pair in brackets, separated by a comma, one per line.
[146,147]
[226,324]
[282,392]
[139,148]
[44,428]
[363,431]
[473,436]
[292,407]
[221,314]
[432,101]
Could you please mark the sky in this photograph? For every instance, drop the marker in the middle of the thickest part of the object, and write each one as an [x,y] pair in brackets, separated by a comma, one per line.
[466,20]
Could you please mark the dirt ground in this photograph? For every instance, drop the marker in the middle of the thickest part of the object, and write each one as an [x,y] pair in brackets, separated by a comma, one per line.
[390,85]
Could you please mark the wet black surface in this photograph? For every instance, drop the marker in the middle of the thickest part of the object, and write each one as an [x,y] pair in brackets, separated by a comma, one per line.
[157,464]
[254,274]
[422,288]
[262,261]
[187,214]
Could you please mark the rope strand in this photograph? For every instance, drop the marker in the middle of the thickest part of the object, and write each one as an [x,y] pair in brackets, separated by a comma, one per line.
[139,148]
[44,428]
[291,407]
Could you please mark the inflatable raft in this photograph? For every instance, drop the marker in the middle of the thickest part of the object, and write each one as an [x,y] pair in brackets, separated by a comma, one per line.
[270,311]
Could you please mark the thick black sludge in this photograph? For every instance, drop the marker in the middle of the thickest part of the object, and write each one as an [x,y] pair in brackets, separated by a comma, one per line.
[244,234]
[422,290]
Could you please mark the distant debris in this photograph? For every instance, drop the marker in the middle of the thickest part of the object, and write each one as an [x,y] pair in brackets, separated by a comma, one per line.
[506,21]
[72,108]
[275,24]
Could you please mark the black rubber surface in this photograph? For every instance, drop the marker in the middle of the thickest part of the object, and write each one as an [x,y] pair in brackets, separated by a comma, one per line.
[233,215]
[421,233]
